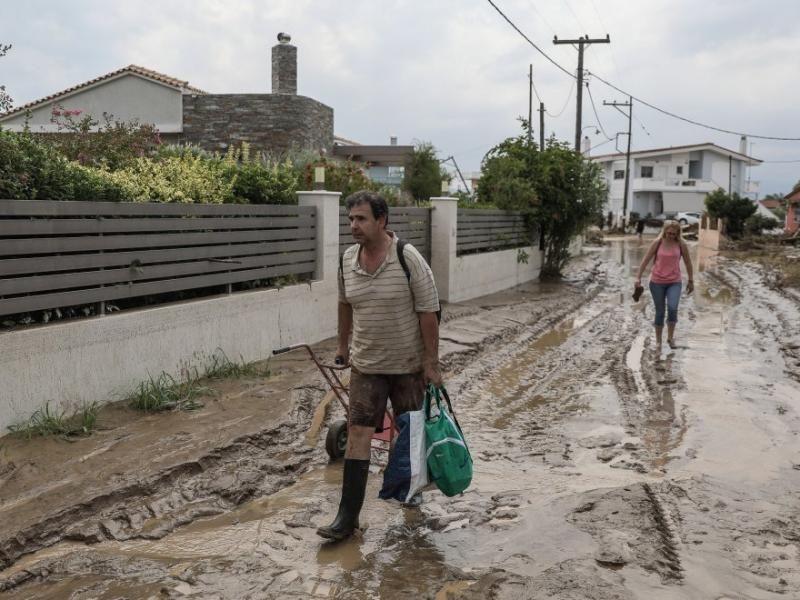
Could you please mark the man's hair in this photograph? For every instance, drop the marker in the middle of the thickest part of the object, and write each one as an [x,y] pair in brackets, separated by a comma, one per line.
[377,203]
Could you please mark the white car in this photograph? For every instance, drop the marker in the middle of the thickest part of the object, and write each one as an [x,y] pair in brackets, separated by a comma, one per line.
[688,218]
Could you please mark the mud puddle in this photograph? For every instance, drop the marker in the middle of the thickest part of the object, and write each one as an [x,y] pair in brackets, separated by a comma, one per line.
[603,469]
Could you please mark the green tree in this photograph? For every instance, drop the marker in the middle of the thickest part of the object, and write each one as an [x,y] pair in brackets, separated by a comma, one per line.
[559,191]
[423,173]
[732,208]
[6,101]
[756,224]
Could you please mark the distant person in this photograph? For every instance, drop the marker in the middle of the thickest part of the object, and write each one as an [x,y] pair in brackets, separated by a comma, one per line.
[665,279]
[640,228]
[394,350]
[610,219]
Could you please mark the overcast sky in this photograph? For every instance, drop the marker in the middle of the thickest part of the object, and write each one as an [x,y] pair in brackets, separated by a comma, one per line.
[451,72]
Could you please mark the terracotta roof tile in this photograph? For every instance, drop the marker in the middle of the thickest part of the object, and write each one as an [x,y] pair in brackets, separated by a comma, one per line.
[135,69]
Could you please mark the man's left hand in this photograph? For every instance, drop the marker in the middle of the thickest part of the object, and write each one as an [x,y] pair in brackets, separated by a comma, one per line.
[432,374]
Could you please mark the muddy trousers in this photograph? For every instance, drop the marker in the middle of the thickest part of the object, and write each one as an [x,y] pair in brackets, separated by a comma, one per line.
[669,294]
[354,486]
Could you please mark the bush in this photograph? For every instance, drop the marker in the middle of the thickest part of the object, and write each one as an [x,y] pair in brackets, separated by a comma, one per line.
[31,169]
[259,184]
[734,209]
[111,144]
[424,173]
[757,223]
[96,185]
[187,179]
[345,177]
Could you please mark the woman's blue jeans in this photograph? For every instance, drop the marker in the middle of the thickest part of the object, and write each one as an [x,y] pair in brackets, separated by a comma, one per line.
[669,294]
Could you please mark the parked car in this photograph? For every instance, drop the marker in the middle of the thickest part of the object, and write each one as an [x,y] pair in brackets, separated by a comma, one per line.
[688,218]
[658,220]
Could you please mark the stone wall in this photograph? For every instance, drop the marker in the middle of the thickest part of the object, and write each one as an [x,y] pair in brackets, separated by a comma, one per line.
[273,123]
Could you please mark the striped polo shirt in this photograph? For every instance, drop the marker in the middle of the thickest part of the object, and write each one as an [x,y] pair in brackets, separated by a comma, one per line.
[386,333]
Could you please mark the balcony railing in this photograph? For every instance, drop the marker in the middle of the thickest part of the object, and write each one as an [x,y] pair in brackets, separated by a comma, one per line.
[393,180]
[653,184]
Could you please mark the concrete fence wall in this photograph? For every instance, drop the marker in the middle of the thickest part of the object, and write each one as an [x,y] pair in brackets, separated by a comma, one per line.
[103,358]
[460,278]
[711,232]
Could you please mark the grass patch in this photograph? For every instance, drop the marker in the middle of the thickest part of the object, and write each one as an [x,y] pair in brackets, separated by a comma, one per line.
[49,422]
[166,393]
[220,366]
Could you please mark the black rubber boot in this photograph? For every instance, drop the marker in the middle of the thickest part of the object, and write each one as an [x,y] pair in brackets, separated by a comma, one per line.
[354,484]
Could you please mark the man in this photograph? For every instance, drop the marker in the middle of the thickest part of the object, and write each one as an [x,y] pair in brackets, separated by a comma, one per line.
[394,349]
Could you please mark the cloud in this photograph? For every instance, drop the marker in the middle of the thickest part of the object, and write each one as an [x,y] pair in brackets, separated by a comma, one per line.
[450,72]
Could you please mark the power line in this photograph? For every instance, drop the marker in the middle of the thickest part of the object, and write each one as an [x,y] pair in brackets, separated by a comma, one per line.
[610,49]
[596,116]
[541,16]
[692,121]
[574,14]
[527,39]
[566,103]
[643,102]
[642,126]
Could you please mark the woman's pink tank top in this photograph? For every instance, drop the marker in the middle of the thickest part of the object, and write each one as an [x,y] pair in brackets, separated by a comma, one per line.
[667,267]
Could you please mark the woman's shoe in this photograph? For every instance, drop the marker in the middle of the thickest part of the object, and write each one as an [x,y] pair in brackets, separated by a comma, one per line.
[672,344]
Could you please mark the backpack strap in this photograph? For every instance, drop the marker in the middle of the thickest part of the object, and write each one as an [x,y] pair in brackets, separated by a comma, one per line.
[401,258]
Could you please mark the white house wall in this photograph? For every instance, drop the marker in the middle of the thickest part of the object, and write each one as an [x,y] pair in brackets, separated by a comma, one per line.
[129,97]
[646,193]
[684,201]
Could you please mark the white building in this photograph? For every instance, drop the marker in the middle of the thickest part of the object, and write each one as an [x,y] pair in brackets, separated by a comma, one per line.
[132,93]
[668,180]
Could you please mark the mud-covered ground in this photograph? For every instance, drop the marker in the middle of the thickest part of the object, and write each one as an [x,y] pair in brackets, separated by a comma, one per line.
[604,469]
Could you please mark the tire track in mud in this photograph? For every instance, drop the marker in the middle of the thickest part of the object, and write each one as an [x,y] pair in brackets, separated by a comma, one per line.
[253,465]
[770,310]
[589,346]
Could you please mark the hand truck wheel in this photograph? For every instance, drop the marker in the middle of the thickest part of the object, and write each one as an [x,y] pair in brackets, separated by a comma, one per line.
[336,440]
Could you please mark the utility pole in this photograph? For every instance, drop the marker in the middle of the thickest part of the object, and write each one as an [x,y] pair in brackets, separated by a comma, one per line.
[629,105]
[582,42]
[530,105]
[541,126]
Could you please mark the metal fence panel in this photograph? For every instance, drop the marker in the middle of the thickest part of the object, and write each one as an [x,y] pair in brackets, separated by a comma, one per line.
[63,254]
[410,223]
[491,230]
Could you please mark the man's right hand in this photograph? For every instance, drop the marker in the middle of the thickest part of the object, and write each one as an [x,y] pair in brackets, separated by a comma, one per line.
[342,357]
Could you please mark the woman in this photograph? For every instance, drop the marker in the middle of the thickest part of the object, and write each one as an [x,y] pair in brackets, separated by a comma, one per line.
[665,279]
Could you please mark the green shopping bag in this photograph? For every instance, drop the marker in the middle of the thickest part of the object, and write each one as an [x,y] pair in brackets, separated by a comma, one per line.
[449,460]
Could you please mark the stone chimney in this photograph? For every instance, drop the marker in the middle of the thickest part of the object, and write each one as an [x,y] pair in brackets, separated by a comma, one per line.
[284,66]
[743,145]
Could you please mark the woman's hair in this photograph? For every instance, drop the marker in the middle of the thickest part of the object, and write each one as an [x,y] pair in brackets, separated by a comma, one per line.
[667,225]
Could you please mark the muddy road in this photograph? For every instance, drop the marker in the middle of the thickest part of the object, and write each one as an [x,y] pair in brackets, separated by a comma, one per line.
[604,469]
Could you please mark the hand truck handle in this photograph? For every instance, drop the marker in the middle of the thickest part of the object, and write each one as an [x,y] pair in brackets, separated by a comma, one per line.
[292,347]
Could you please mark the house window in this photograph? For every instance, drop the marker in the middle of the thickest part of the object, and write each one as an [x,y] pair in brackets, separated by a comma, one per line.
[679,170]
[647,171]
[619,174]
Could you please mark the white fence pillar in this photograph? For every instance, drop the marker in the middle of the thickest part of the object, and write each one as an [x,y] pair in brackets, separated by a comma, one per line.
[444,230]
[327,204]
